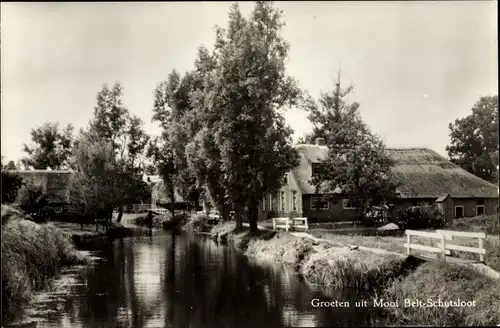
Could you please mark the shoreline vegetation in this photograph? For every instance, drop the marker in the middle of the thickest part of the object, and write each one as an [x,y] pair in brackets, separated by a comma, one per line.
[34,253]
[378,275]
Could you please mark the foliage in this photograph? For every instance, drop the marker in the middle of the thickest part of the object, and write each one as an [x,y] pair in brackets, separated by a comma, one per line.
[11,183]
[94,184]
[199,222]
[423,216]
[10,166]
[474,139]
[121,143]
[52,147]
[488,224]
[31,194]
[356,162]
[31,254]
[171,106]
[446,282]
[243,147]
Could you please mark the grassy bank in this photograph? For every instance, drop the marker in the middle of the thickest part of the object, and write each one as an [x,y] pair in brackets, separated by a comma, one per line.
[31,254]
[163,221]
[320,262]
[377,275]
[487,224]
[445,281]
[89,235]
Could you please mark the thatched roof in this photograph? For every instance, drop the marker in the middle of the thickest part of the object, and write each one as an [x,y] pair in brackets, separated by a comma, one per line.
[302,173]
[423,173]
[162,196]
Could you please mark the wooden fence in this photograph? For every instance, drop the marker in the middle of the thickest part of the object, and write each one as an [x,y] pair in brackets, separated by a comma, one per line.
[445,248]
[143,208]
[287,223]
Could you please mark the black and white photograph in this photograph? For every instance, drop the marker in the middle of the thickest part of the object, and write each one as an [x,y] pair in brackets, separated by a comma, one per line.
[249,164]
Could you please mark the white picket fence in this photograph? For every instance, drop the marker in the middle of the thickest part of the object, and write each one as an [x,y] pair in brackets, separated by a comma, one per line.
[445,248]
[287,223]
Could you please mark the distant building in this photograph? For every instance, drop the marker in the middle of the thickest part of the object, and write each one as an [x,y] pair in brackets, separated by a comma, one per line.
[161,197]
[54,182]
[424,175]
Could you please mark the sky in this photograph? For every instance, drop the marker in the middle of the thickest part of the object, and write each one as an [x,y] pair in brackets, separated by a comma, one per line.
[415,66]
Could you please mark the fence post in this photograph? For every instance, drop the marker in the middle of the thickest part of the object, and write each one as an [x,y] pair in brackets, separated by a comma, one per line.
[443,246]
[274,223]
[481,245]
[408,242]
[286,224]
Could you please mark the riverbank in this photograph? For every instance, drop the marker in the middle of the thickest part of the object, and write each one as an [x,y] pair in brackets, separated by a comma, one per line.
[88,235]
[31,255]
[388,275]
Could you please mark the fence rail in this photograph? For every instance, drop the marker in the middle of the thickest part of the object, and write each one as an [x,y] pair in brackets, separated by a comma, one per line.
[287,223]
[446,248]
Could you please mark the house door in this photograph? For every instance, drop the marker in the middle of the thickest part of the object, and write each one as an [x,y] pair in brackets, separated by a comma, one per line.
[459,212]
[480,210]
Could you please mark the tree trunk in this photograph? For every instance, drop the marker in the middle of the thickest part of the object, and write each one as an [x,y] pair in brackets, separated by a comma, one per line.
[172,202]
[238,216]
[120,214]
[253,215]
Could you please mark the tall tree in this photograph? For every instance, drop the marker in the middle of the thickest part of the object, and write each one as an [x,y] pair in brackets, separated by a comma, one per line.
[52,147]
[244,129]
[357,162]
[113,123]
[474,139]
[11,165]
[94,186]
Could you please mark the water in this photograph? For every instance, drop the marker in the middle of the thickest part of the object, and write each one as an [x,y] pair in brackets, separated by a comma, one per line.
[166,280]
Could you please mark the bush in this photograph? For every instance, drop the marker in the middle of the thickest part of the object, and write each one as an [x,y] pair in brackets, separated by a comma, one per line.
[487,224]
[11,183]
[31,254]
[423,216]
[198,222]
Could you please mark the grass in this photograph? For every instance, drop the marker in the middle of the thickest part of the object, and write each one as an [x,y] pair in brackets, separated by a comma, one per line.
[488,224]
[445,281]
[395,243]
[31,254]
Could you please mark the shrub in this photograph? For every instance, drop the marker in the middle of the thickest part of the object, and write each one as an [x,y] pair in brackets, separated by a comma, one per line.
[31,254]
[11,183]
[198,222]
[422,217]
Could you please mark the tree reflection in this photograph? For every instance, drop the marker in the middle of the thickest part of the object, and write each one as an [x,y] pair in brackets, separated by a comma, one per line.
[185,281]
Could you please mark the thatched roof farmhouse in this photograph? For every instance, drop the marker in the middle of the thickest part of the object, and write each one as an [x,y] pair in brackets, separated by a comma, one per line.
[422,175]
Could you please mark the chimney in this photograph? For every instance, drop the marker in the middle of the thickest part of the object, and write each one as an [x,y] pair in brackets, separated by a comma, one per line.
[320,141]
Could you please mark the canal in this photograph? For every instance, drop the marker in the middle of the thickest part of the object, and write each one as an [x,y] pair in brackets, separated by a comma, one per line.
[167,280]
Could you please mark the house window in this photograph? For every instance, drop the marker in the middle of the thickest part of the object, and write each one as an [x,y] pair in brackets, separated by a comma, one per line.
[350,204]
[264,204]
[459,212]
[479,210]
[316,168]
[294,200]
[285,179]
[319,204]
[282,201]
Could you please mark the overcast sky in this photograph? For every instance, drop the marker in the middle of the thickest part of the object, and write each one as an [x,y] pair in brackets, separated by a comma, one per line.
[415,66]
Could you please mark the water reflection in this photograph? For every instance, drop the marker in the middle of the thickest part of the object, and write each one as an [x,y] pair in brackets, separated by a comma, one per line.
[164,280]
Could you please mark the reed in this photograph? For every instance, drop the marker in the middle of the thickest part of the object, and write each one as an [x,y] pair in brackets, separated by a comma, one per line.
[31,254]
